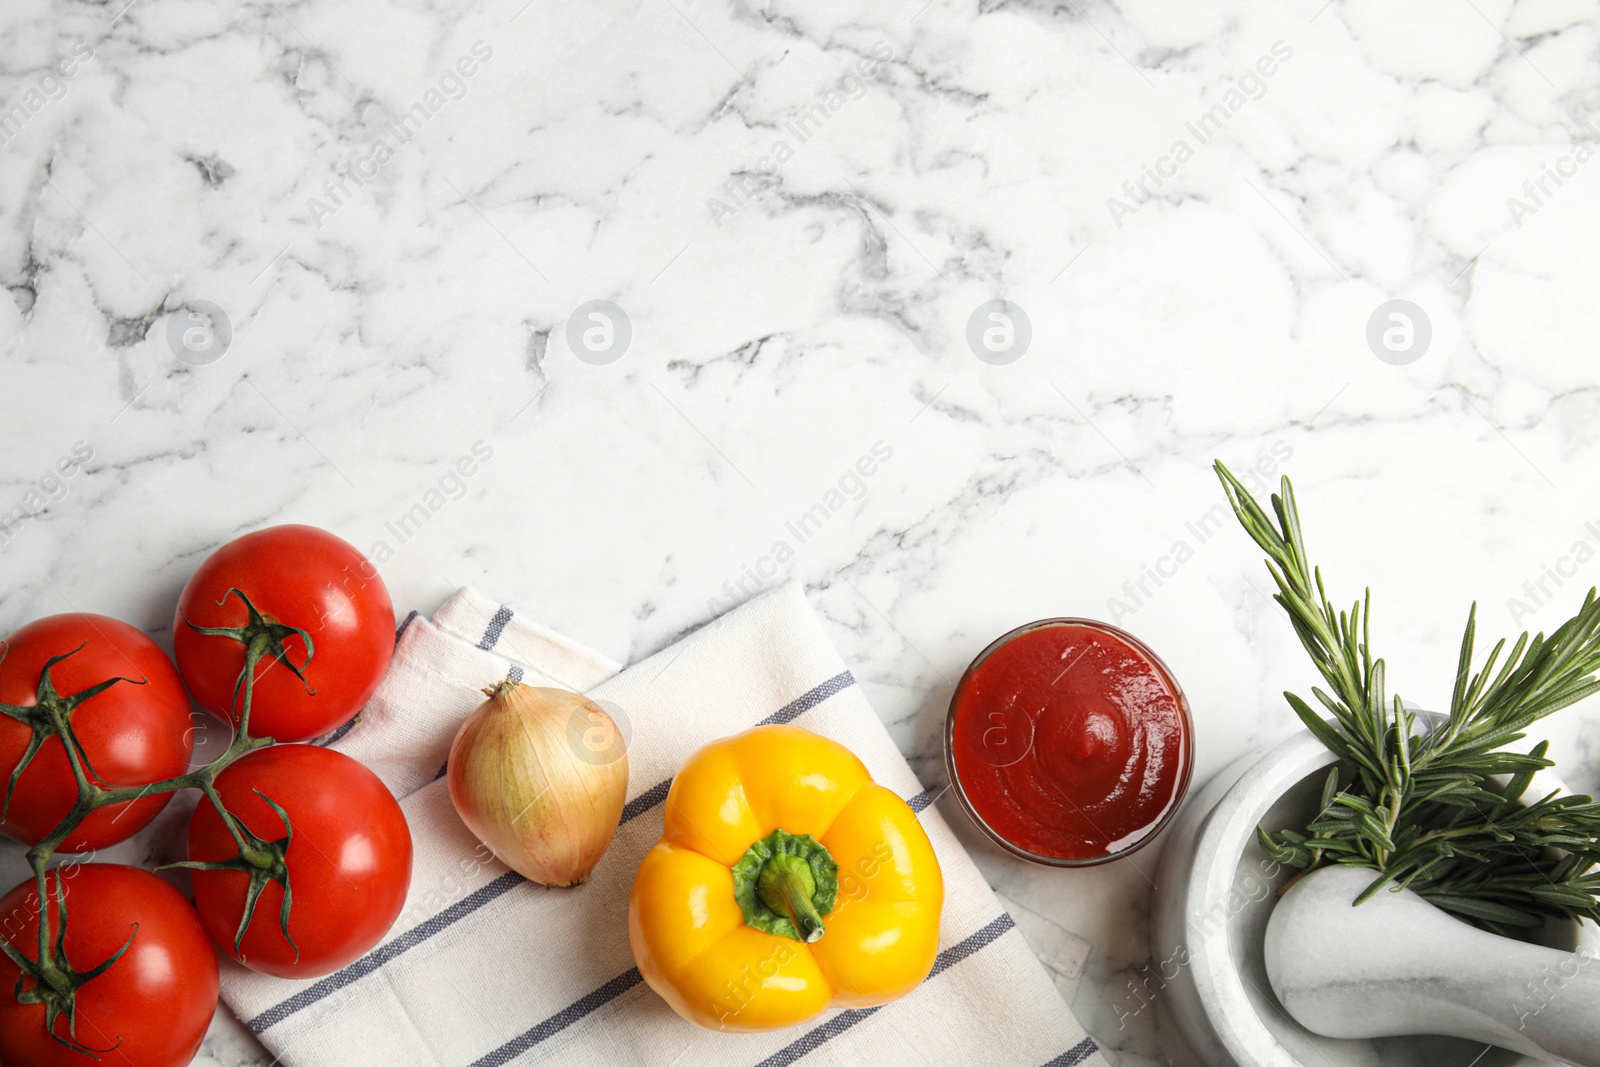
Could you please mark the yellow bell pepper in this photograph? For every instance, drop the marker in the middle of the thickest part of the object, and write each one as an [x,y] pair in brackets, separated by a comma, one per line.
[786,882]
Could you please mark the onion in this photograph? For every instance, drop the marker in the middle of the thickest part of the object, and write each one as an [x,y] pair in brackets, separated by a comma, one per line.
[540,776]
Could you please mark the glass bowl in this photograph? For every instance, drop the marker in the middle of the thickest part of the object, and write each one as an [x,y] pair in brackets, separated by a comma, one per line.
[1151,830]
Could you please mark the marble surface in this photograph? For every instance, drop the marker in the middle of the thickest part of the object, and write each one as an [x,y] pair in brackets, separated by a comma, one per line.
[277,260]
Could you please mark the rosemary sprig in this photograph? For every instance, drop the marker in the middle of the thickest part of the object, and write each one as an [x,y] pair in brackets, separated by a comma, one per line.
[1439,812]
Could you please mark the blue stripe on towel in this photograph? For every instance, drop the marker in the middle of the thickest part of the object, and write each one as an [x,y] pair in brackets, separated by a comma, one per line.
[835,1026]
[924,800]
[814,1039]
[795,708]
[339,732]
[330,738]
[1076,1054]
[496,627]
[562,1019]
[386,952]
[640,804]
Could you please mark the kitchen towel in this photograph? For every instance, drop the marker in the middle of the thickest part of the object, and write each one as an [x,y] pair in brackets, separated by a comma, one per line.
[484,968]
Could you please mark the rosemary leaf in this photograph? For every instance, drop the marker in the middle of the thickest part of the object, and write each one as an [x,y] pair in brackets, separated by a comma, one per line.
[1423,811]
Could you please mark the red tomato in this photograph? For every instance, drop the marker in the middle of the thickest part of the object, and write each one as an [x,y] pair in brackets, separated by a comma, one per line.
[349,863]
[150,1008]
[300,576]
[132,734]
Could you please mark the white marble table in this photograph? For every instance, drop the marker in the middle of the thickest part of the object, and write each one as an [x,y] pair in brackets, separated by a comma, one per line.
[800,208]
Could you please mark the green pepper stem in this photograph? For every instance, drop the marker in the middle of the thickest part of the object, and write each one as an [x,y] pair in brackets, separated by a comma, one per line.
[786,886]
[785,883]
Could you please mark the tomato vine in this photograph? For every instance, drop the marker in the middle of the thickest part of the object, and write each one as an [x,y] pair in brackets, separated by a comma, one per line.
[55,981]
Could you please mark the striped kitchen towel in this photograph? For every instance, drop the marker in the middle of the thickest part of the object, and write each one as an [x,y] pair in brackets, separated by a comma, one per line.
[484,968]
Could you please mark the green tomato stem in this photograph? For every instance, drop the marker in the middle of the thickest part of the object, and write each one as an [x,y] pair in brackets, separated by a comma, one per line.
[56,982]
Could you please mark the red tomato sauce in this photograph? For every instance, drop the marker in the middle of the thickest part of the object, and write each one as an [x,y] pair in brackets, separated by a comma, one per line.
[1070,740]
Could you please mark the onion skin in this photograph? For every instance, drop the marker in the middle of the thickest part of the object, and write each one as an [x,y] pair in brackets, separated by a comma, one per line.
[528,778]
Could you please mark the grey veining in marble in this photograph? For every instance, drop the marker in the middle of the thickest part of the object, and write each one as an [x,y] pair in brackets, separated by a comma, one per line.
[394,208]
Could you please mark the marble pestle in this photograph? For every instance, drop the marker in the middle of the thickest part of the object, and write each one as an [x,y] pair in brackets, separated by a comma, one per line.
[1398,965]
